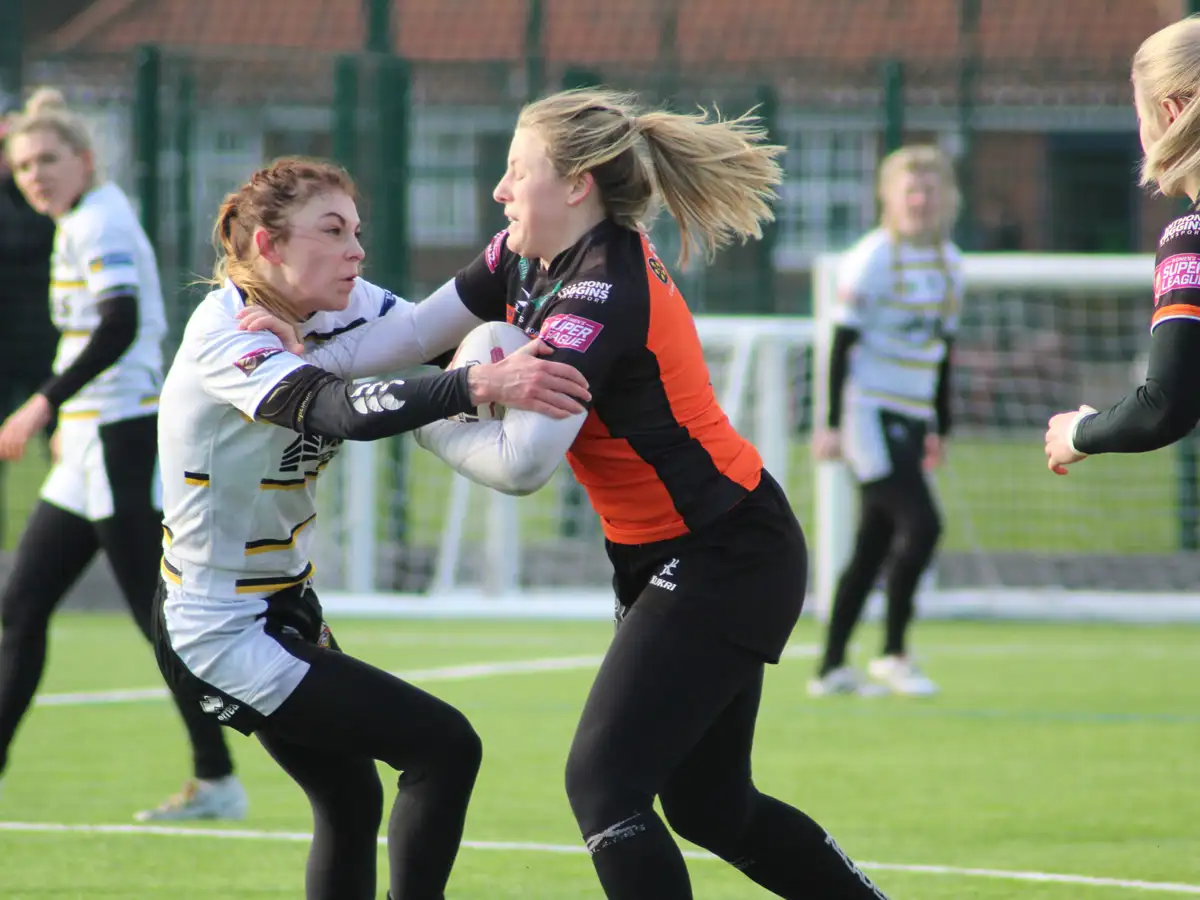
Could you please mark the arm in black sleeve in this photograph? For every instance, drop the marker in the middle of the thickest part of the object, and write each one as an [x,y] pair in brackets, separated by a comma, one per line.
[941,403]
[113,336]
[312,401]
[844,339]
[1162,410]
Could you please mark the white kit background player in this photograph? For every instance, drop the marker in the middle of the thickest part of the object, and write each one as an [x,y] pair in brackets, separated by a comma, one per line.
[900,290]
[102,491]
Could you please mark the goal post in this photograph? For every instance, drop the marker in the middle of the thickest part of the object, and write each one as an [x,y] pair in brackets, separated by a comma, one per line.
[1040,333]
[486,553]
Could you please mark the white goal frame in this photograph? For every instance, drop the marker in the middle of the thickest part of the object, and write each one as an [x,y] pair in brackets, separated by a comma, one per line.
[756,349]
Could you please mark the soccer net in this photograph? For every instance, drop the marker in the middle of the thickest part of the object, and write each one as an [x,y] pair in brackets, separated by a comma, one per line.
[1040,334]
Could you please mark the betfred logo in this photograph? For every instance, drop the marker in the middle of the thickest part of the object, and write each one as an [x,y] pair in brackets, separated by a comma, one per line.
[1175,273]
[569,332]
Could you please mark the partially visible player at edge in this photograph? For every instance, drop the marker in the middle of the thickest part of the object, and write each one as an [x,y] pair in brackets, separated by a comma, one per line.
[245,429]
[709,560]
[888,411]
[102,493]
[1166,82]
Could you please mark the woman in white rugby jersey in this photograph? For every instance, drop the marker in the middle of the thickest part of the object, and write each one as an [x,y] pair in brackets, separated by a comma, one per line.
[245,430]
[899,292]
[101,493]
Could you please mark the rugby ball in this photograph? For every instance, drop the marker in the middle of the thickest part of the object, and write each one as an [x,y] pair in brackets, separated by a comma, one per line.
[489,343]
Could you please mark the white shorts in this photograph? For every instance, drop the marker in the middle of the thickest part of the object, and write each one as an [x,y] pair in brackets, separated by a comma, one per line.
[81,481]
[877,442]
[225,645]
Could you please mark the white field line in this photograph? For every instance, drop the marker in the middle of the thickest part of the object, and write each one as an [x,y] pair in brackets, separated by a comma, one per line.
[575,663]
[443,673]
[1162,887]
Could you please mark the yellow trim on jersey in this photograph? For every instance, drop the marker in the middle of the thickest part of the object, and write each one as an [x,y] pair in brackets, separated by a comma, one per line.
[68,285]
[270,545]
[898,399]
[80,414]
[282,484]
[149,400]
[75,333]
[171,573]
[168,535]
[913,305]
[905,363]
[271,585]
[196,479]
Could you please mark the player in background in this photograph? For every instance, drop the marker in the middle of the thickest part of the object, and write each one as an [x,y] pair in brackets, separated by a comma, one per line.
[899,291]
[101,494]
[26,243]
[245,430]
[1166,78]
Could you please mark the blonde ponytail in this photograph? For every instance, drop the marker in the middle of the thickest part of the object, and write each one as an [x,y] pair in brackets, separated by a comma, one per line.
[716,177]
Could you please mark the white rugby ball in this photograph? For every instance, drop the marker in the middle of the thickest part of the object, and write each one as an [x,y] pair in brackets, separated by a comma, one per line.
[489,343]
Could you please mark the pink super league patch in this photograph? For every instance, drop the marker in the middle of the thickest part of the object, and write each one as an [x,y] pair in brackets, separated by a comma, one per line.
[568,332]
[491,256]
[1178,272]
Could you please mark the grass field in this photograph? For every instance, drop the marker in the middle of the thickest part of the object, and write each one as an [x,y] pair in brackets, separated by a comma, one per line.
[1055,750]
[996,493]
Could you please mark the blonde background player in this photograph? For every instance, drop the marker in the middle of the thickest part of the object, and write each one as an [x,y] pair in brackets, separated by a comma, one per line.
[101,493]
[1166,79]
[889,412]
[245,430]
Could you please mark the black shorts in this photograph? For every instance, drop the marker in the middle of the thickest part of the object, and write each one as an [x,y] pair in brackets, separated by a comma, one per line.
[293,619]
[743,576]
[879,443]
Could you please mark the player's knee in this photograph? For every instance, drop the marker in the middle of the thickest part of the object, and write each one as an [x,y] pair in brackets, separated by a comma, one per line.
[19,617]
[465,751]
[457,753]
[353,805]
[600,790]
[920,534]
[714,823]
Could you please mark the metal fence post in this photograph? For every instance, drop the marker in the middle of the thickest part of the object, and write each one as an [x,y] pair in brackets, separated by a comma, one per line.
[147,138]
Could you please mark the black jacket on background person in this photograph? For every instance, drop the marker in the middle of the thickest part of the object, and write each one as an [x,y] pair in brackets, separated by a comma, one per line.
[28,339]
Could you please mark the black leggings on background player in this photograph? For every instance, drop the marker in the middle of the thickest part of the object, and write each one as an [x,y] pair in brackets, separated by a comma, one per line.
[673,708]
[56,548]
[898,521]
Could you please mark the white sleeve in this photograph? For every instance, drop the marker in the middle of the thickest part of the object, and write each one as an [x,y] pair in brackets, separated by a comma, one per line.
[514,455]
[859,280]
[954,271]
[405,334]
[241,367]
[106,255]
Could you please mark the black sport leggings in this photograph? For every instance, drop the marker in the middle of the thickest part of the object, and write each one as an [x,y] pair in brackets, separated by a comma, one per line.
[898,517]
[344,715]
[55,549]
[672,714]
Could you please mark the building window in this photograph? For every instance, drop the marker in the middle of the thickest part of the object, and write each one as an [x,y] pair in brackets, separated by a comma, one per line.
[443,198]
[828,191]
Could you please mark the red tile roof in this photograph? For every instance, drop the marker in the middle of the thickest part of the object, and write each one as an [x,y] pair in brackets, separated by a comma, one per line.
[587,32]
